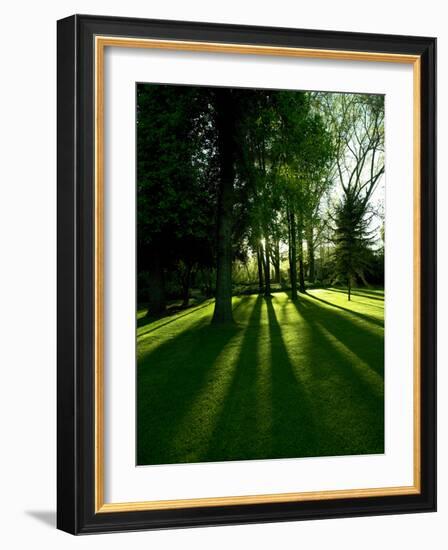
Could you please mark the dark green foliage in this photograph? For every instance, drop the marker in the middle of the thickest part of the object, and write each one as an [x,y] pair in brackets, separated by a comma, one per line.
[222,180]
[176,189]
[173,157]
[352,240]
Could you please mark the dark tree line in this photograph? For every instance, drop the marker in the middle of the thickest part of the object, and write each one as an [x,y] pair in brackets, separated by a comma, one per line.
[232,175]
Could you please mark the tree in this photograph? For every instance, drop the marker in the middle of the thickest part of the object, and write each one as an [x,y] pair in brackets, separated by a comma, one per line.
[305,149]
[352,239]
[229,177]
[225,109]
[257,164]
[292,249]
[357,125]
[176,193]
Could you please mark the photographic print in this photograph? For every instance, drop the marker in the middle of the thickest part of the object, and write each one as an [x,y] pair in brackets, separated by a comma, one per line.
[260,274]
[235,206]
[236,209]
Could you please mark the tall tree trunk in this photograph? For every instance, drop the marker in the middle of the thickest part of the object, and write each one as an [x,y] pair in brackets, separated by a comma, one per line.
[292,254]
[349,288]
[267,270]
[208,282]
[225,122]
[311,259]
[260,261]
[186,281]
[363,279]
[156,291]
[301,268]
[276,261]
[246,267]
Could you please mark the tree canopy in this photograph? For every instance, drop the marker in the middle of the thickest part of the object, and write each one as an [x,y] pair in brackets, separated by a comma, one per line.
[244,187]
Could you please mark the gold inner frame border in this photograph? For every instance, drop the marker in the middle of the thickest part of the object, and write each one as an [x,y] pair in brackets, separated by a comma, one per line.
[101,42]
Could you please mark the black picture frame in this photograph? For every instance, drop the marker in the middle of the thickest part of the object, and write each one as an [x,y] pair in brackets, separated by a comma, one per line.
[76,264]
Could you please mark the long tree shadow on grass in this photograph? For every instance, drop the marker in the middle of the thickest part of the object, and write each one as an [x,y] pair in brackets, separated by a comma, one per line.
[379,306]
[361,316]
[371,294]
[266,412]
[179,316]
[265,408]
[365,342]
[349,397]
[171,315]
[168,380]
[236,435]
[295,430]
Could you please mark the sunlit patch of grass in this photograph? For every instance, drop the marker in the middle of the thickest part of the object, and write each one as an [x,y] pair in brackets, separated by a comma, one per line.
[286,380]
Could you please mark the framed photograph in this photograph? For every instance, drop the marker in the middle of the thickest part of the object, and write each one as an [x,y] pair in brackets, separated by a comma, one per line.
[246,274]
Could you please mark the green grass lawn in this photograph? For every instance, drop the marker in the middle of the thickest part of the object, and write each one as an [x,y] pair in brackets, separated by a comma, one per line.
[287,380]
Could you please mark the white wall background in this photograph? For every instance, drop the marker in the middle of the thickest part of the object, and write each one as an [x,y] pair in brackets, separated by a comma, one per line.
[28,281]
